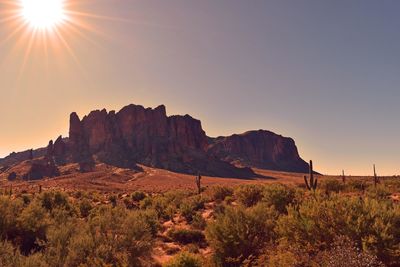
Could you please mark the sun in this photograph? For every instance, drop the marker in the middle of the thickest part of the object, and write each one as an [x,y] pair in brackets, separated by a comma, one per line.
[43,14]
[49,30]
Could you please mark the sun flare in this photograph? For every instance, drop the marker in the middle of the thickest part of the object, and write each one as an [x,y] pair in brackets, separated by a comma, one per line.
[43,14]
[49,31]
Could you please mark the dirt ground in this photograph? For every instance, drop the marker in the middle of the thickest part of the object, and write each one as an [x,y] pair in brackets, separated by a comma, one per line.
[112,179]
[107,178]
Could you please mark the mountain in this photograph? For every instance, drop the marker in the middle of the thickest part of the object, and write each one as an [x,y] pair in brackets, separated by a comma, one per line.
[137,135]
[261,149]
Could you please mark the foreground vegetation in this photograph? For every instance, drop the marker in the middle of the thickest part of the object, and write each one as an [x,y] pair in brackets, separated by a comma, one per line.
[338,224]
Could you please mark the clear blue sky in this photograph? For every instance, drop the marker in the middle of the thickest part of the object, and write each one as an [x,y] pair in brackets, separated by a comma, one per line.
[326,73]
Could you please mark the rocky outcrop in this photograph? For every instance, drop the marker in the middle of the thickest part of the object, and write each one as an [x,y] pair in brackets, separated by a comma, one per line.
[148,133]
[261,149]
[17,157]
[32,170]
[137,135]
[40,169]
[59,148]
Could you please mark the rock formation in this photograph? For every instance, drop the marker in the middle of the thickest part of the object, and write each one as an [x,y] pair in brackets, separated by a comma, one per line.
[138,135]
[261,149]
[41,168]
[146,136]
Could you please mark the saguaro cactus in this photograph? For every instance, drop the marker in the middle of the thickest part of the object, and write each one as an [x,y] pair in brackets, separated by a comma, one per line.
[343,177]
[198,183]
[311,183]
[376,178]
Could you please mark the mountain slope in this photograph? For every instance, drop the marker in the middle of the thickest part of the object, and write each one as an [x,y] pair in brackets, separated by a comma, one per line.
[137,135]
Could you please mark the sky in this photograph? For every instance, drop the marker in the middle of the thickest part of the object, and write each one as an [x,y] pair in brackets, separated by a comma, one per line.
[325,73]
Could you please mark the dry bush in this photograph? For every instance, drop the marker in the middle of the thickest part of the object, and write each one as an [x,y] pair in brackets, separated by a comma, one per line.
[219,193]
[185,259]
[249,195]
[186,236]
[239,233]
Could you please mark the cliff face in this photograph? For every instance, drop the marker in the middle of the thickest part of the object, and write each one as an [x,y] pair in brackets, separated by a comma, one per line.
[261,149]
[138,135]
[147,136]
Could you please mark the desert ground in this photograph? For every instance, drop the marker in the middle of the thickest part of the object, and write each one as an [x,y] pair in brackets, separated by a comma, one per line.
[108,178]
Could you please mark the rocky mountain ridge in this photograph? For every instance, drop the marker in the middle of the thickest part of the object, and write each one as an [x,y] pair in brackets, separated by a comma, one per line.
[137,135]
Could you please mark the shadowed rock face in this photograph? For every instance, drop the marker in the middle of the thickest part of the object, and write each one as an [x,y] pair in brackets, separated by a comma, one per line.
[261,149]
[138,135]
[147,136]
[139,130]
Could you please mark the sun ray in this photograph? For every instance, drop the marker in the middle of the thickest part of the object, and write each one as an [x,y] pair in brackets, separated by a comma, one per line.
[89,15]
[27,53]
[12,34]
[87,27]
[53,34]
[74,29]
[9,18]
[46,52]
[69,50]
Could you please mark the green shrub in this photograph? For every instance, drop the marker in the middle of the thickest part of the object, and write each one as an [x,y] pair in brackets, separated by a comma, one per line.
[150,218]
[239,233]
[219,209]
[32,223]
[176,197]
[279,196]
[160,204]
[85,207]
[184,259]
[393,183]
[380,192]
[228,200]
[187,211]
[219,193]
[285,254]
[35,260]
[189,207]
[9,211]
[198,221]
[371,223]
[137,238]
[26,199]
[146,202]
[197,202]
[57,242]
[60,199]
[112,236]
[249,195]
[170,212]
[186,236]
[332,185]
[286,228]
[356,185]
[52,200]
[138,196]
[113,200]
[9,255]
[82,247]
